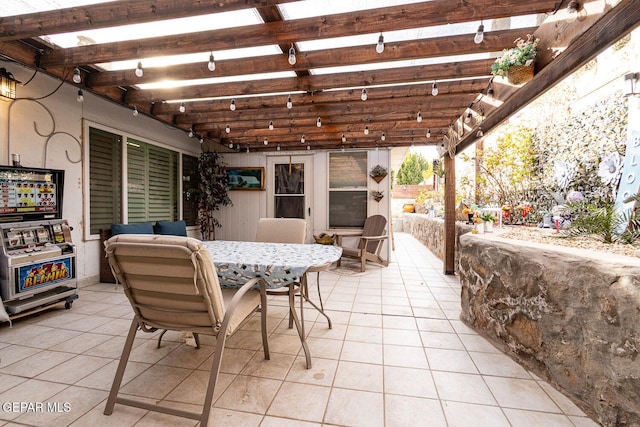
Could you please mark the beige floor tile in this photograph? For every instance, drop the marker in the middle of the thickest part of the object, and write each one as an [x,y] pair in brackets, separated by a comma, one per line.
[450,360]
[460,387]
[14,353]
[397,355]
[9,381]
[193,389]
[73,370]
[478,343]
[399,322]
[87,323]
[403,411]
[402,337]
[156,382]
[226,418]
[102,378]
[522,418]
[355,408]
[21,333]
[111,348]
[81,343]
[305,402]
[185,356]
[52,338]
[498,365]
[276,368]
[520,394]
[461,414]
[583,421]
[364,334]
[429,313]
[249,394]
[366,319]
[563,402]
[442,340]
[30,391]
[361,352]
[322,371]
[338,331]
[285,422]
[327,348]
[409,382]
[34,365]
[359,376]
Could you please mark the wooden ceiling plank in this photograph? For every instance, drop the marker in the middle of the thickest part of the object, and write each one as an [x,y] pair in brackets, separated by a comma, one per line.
[429,13]
[494,41]
[113,14]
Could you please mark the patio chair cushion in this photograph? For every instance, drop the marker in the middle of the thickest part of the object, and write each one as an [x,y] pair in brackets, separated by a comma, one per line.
[140,228]
[173,228]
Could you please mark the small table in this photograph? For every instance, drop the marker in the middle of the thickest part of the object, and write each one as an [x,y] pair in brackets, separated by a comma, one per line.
[280,264]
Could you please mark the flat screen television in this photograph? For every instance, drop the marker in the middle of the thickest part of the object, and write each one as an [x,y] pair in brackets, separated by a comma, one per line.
[30,194]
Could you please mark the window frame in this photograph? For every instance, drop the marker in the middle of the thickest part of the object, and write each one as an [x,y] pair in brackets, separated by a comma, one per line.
[358,188]
[124,136]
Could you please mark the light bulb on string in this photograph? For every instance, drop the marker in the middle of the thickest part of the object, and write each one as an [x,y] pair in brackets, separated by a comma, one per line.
[480,133]
[227,129]
[271,125]
[278,147]
[80,97]
[366,130]
[211,65]
[135,111]
[191,133]
[434,89]
[139,71]
[344,138]
[308,147]
[303,139]
[232,105]
[77,78]
[182,108]
[318,122]
[289,102]
[201,140]
[231,144]
[266,141]
[292,55]
[428,133]
[247,148]
[383,137]
[467,118]
[380,44]
[477,39]
[419,117]
[364,96]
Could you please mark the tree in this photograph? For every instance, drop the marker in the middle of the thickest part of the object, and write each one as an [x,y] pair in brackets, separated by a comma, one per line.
[412,169]
[212,194]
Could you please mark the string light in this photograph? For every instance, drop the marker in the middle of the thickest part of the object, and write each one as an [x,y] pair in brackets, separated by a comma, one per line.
[227,129]
[383,137]
[289,102]
[380,44]
[211,65]
[467,119]
[247,148]
[266,141]
[231,144]
[139,71]
[77,78]
[182,108]
[363,96]
[278,147]
[318,122]
[366,130]
[344,138]
[292,55]
[201,140]
[191,133]
[80,97]
[434,89]
[428,133]
[419,117]
[271,125]
[480,133]
[135,111]
[232,106]
[303,139]
[308,147]
[477,39]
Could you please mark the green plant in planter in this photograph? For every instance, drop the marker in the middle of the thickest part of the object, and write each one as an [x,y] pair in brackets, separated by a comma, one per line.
[212,192]
[377,171]
[523,53]
[487,217]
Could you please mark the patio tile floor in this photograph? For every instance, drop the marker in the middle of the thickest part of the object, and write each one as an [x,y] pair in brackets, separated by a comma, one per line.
[397,355]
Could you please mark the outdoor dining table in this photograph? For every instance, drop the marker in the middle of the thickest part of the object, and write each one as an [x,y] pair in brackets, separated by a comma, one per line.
[280,264]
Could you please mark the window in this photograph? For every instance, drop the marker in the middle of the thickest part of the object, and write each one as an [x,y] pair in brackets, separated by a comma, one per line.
[105,186]
[347,189]
[152,185]
[152,182]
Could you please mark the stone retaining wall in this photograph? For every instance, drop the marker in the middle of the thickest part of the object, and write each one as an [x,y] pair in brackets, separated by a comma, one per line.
[570,316]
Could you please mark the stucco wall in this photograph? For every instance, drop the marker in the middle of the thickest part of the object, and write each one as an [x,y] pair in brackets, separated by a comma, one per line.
[571,317]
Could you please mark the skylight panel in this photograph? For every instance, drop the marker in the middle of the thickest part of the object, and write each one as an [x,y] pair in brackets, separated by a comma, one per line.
[215,80]
[214,21]
[22,7]
[311,8]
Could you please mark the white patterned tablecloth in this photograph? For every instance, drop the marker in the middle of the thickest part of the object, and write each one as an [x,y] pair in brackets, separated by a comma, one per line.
[278,263]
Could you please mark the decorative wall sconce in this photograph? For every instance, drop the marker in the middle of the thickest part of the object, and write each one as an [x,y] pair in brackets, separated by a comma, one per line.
[7,84]
[631,81]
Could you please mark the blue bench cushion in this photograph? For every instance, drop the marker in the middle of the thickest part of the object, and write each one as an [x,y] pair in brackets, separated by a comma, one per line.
[140,228]
[173,228]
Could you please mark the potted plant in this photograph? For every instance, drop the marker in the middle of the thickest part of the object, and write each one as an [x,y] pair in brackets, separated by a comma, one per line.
[378,173]
[479,224]
[212,194]
[488,219]
[376,195]
[517,63]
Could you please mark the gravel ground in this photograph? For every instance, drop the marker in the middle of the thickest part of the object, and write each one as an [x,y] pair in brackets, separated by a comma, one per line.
[550,237]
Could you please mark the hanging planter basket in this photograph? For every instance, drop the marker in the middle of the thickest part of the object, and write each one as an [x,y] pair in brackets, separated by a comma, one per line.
[378,178]
[519,74]
[378,198]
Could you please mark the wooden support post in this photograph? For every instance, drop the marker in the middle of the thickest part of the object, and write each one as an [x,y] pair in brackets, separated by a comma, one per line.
[449,214]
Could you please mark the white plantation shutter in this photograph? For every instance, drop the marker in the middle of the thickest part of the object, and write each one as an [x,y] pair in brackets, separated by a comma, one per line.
[105,186]
[347,189]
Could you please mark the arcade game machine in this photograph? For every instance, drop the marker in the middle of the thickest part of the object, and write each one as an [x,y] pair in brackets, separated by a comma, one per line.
[37,256]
